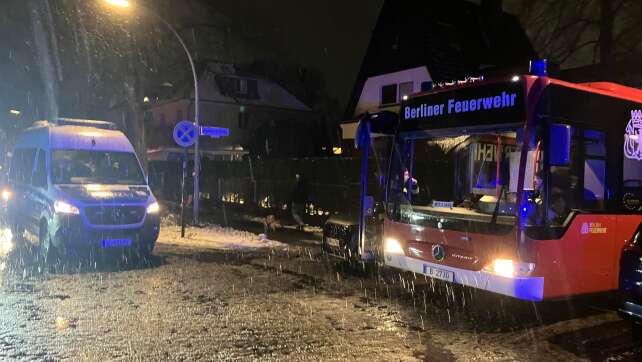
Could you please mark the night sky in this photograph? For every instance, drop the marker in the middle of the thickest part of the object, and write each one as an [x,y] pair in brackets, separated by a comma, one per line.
[330,35]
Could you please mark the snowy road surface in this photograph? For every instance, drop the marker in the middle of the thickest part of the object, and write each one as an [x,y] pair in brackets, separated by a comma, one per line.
[227,295]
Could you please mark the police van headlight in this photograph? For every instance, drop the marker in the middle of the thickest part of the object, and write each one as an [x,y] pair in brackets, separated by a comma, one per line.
[6,195]
[62,207]
[153,208]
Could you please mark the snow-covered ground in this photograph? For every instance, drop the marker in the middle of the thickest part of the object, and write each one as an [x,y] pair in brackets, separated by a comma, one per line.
[224,294]
[216,237]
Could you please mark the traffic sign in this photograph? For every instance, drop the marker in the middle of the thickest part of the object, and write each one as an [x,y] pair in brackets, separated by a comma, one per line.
[215,132]
[185,133]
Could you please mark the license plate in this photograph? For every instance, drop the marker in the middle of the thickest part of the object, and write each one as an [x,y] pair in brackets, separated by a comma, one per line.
[332,242]
[116,243]
[439,273]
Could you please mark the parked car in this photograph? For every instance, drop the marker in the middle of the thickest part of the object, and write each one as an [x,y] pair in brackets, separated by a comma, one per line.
[630,290]
[76,186]
[341,235]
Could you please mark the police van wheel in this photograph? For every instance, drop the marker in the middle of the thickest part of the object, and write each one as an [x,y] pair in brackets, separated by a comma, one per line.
[17,232]
[47,251]
[143,253]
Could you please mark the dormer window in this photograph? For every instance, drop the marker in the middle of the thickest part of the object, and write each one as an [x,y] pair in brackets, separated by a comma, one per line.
[237,87]
[242,86]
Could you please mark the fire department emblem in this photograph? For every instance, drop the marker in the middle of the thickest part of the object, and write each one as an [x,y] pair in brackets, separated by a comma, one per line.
[633,143]
[584,229]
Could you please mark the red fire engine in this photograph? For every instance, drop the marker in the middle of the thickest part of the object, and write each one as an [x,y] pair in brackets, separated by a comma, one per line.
[527,186]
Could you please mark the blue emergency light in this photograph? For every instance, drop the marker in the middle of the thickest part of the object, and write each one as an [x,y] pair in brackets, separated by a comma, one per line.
[538,67]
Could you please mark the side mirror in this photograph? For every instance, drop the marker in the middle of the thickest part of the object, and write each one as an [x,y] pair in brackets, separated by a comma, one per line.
[560,144]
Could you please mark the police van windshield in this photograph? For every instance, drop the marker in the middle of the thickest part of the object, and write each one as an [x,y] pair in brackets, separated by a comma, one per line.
[95,167]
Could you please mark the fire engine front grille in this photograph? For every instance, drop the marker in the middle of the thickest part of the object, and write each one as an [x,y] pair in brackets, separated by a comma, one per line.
[115,215]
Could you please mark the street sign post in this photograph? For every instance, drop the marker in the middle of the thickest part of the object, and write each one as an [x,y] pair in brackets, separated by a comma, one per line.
[184,136]
[183,176]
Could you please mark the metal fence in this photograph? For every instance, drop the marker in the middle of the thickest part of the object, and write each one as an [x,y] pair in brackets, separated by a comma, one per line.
[265,186]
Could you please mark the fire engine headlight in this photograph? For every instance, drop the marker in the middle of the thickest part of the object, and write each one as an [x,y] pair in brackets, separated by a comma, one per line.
[6,195]
[392,246]
[153,208]
[62,207]
[503,267]
[509,268]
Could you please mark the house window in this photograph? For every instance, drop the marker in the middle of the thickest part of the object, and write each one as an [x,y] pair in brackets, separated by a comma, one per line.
[405,89]
[247,88]
[389,94]
[252,89]
[242,86]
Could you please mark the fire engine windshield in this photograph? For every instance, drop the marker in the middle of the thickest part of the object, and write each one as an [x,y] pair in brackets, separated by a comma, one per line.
[470,176]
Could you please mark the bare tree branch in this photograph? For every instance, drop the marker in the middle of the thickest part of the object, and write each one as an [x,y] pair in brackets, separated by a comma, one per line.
[580,46]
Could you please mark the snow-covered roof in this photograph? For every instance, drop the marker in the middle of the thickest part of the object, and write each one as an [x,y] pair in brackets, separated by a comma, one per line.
[268,93]
[49,136]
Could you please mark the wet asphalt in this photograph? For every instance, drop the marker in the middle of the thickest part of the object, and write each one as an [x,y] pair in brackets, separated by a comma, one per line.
[196,303]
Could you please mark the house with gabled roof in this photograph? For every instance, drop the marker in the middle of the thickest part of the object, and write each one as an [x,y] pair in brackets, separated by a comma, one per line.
[264,119]
[416,43]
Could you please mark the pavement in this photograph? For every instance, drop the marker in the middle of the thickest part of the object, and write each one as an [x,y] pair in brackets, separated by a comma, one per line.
[227,294]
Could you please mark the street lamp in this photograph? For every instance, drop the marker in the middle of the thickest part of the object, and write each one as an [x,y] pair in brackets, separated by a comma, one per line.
[119,3]
[197,158]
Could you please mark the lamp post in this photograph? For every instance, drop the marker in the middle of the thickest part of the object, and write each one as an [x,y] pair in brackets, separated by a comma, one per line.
[197,158]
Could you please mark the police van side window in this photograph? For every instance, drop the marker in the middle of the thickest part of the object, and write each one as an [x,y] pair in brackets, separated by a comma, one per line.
[22,165]
[15,165]
[40,172]
[26,166]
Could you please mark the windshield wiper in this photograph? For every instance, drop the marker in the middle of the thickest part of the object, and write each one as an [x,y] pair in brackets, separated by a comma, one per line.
[493,219]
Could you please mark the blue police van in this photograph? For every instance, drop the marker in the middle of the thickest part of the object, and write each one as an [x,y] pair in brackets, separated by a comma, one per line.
[77,186]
